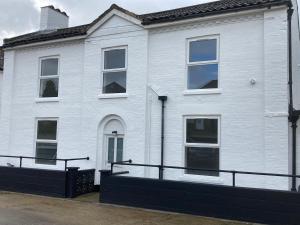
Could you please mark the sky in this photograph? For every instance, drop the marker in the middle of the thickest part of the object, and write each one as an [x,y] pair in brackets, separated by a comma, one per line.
[22,16]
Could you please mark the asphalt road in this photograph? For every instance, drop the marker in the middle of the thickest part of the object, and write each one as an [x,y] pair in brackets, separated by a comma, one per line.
[21,209]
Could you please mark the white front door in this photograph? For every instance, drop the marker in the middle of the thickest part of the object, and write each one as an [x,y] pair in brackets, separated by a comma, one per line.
[114,149]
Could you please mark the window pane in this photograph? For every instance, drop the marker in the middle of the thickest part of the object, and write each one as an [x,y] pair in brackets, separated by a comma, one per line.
[202,158]
[203,50]
[114,82]
[47,151]
[203,76]
[114,59]
[119,149]
[49,88]
[49,67]
[111,147]
[47,130]
[202,131]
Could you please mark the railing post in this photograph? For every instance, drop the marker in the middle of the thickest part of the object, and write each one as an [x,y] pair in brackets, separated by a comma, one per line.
[233,178]
[104,175]
[111,167]
[160,172]
[71,177]
[66,164]
[21,158]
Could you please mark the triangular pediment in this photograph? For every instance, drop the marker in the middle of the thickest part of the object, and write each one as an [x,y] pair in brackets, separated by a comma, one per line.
[115,17]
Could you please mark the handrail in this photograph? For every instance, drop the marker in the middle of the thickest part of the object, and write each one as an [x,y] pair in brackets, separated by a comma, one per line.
[39,158]
[233,172]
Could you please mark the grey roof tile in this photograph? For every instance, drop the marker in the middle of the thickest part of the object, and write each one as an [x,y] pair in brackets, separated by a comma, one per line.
[201,10]
[206,9]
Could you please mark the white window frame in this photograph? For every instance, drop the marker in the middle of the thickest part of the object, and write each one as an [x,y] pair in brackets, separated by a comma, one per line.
[45,140]
[124,69]
[201,145]
[206,62]
[39,98]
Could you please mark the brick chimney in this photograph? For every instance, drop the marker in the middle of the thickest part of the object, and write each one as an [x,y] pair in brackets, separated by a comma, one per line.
[52,18]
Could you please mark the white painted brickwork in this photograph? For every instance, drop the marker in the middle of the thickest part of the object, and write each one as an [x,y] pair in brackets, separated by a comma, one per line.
[296,78]
[254,122]
[1,78]
[52,19]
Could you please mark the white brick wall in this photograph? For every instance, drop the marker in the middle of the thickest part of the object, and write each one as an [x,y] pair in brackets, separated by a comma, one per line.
[51,19]
[1,78]
[254,127]
[296,76]
[250,47]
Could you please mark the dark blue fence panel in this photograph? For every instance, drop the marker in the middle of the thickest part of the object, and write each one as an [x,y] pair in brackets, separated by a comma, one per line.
[33,181]
[80,182]
[55,183]
[246,204]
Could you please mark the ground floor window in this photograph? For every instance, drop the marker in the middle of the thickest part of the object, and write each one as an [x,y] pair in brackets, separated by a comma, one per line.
[46,141]
[202,145]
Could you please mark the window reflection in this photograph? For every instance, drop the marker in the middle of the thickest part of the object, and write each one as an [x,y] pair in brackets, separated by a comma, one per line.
[203,50]
[203,64]
[49,88]
[203,76]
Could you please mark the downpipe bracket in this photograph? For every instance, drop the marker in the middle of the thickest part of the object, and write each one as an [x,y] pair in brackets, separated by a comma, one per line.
[294,116]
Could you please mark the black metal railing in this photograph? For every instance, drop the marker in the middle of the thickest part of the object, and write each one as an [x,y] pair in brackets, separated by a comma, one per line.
[233,172]
[46,159]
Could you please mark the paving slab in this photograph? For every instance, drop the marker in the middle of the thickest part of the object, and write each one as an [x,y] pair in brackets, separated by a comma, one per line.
[23,209]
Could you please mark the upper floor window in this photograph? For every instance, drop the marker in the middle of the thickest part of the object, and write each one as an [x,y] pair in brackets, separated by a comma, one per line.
[46,141]
[114,70]
[49,77]
[203,63]
[202,144]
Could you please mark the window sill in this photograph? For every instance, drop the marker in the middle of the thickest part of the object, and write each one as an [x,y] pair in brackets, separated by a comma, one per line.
[202,179]
[47,100]
[109,96]
[203,92]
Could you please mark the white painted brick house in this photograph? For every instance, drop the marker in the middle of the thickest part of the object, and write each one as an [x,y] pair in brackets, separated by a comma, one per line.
[93,90]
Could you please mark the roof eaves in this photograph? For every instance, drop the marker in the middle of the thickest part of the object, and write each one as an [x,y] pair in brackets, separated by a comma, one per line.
[82,30]
[185,13]
[146,21]
[41,36]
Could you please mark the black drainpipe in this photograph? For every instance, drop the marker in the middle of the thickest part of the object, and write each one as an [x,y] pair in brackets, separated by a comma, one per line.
[293,114]
[163,99]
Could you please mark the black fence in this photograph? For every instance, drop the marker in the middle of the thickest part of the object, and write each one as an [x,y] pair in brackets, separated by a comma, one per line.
[80,181]
[67,183]
[227,202]
[44,159]
[232,172]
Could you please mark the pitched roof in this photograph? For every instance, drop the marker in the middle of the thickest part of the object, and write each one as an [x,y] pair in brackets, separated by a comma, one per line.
[46,35]
[207,9]
[201,10]
[1,59]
